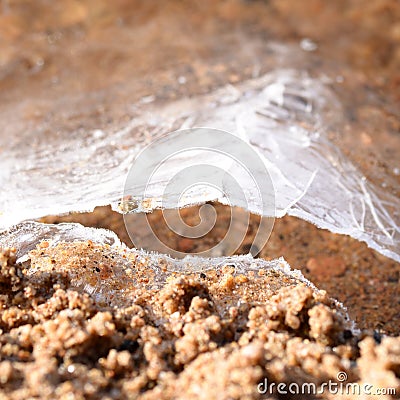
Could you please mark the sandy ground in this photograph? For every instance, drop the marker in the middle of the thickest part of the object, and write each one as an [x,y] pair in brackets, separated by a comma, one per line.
[71,66]
[217,334]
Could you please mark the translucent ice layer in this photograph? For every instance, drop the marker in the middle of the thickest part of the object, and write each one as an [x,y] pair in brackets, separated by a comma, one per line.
[96,263]
[286,115]
[152,267]
[33,233]
[26,236]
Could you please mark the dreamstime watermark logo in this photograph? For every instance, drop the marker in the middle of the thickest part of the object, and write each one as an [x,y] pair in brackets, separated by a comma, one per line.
[193,166]
[338,387]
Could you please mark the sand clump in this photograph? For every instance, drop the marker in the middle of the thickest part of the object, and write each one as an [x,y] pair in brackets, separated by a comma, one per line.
[209,335]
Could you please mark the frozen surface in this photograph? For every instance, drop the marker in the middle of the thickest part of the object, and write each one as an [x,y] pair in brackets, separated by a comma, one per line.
[133,268]
[26,236]
[286,115]
[32,233]
[314,180]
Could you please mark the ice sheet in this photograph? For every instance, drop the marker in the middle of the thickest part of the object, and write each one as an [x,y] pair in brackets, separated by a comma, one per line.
[32,233]
[120,287]
[285,115]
